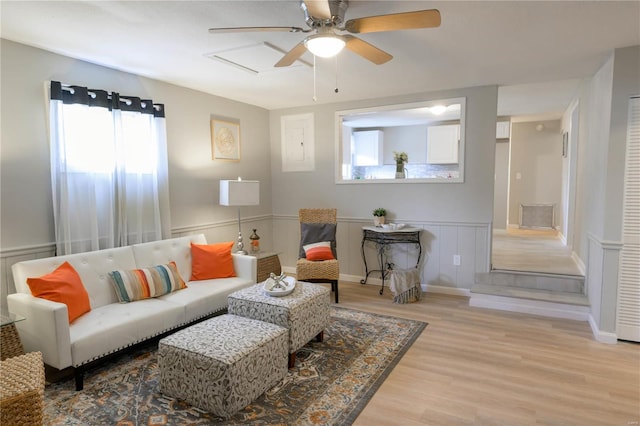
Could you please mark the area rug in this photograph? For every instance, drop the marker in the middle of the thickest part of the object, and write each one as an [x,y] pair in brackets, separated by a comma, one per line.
[330,384]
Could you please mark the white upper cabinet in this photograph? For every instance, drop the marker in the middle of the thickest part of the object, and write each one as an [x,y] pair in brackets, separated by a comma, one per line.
[367,147]
[503,129]
[443,144]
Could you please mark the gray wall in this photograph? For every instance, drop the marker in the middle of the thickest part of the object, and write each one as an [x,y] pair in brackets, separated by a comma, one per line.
[456,217]
[602,151]
[501,189]
[26,220]
[537,157]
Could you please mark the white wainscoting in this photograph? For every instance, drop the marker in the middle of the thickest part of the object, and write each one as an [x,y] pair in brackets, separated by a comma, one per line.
[214,232]
[602,284]
[440,242]
[11,256]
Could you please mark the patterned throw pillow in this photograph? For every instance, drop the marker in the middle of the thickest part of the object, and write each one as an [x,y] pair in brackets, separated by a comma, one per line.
[138,284]
[318,251]
[62,285]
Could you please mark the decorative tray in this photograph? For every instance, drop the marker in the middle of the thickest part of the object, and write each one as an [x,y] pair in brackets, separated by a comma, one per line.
[287,285]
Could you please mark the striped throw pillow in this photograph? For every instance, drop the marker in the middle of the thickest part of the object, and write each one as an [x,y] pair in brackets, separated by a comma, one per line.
[138,284]
[318,251]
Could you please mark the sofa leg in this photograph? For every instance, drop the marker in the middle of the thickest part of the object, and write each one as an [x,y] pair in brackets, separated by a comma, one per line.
[292,360]
[79,374]
[334,287]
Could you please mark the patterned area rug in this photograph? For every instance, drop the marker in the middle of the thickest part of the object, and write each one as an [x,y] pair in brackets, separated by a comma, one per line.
[330,384]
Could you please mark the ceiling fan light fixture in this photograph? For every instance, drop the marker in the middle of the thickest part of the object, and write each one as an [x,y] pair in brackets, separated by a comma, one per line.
[325,45]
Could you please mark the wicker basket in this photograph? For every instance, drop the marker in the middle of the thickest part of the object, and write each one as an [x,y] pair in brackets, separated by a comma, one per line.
[268,264]
[10,344]
[22,390]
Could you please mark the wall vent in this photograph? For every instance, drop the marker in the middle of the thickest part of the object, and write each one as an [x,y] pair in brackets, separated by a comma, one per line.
[537,216]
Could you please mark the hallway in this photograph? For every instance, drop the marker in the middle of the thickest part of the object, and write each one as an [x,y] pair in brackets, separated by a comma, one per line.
[528,250]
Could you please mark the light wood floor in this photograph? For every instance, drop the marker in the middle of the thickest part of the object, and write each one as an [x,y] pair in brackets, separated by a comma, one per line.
[475,366]
[532,251]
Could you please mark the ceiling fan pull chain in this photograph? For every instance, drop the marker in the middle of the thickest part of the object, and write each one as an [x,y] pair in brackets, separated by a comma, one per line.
[315,99]
[336,89]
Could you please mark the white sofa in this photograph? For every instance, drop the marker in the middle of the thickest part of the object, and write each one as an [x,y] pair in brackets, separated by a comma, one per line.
[111,326]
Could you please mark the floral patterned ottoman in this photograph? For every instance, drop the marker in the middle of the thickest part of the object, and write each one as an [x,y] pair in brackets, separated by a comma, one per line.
[305,312]
[224,363]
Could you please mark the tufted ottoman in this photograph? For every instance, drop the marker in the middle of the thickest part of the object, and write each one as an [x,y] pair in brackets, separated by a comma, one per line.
[222,364]
[305,312]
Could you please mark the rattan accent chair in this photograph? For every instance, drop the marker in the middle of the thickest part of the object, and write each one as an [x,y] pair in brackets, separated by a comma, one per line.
[323,271]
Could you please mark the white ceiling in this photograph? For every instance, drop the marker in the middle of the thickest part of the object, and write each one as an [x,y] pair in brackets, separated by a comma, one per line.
[537,52]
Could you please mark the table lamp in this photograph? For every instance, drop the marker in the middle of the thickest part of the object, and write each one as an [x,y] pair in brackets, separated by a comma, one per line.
[239,193]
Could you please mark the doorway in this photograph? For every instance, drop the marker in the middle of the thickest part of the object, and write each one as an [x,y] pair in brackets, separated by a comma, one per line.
[535,167]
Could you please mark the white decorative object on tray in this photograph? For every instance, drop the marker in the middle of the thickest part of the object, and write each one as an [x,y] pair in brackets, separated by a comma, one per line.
[279,286]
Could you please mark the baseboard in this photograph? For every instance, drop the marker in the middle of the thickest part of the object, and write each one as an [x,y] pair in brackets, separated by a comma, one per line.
[579,263]
[452,291]
[526,306]
[602,336]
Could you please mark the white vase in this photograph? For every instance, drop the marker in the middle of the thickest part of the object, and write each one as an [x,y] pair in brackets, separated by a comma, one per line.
[378,220]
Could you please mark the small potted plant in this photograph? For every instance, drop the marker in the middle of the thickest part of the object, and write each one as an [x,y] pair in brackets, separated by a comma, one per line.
[378,216]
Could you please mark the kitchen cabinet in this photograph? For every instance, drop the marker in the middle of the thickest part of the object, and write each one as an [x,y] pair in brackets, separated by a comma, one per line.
[443,144]
[367,147]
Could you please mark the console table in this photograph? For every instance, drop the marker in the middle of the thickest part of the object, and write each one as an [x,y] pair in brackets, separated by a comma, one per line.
[382,238]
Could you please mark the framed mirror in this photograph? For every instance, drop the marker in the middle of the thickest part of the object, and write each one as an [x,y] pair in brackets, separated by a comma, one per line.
[407,143]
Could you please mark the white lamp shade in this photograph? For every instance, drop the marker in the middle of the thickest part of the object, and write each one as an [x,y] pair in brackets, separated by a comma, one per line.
[239,192]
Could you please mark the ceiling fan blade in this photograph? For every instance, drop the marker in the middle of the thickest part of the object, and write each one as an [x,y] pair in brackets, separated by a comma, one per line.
[292,55]
[396,21]
[366,50]
[257,29]
[318,8]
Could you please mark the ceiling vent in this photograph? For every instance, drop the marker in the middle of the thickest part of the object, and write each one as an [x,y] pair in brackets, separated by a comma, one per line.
[255,59]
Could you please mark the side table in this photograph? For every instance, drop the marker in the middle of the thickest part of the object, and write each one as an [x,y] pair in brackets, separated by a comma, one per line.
[267,262]
[10,343]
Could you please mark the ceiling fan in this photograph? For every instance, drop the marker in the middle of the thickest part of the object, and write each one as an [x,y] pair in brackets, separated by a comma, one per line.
[324,19]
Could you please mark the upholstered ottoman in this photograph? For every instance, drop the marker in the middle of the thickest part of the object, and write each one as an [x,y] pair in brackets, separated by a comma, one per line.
[222,364]
[305,312]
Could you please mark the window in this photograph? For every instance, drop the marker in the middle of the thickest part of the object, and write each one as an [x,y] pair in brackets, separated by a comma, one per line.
[108,169]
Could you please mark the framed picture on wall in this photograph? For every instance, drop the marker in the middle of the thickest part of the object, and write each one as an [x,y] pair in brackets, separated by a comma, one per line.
[225,140]
[565,144]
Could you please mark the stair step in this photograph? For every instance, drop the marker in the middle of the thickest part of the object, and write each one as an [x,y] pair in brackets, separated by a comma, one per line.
[552,296]
[532,280]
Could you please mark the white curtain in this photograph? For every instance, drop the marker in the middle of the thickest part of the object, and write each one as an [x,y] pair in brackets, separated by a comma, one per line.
[108,169]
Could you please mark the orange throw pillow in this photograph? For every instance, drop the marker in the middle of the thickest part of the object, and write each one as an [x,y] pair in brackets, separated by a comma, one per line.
[210,261]
[318,251]
[65,286]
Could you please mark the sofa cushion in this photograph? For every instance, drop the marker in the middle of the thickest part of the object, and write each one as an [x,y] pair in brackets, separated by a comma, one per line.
[209,261]
[138,284]
[164,251]
[118,325]
[318,251]
[65,286]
